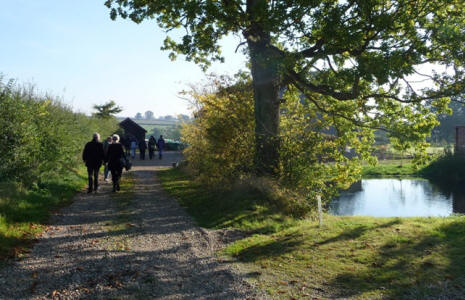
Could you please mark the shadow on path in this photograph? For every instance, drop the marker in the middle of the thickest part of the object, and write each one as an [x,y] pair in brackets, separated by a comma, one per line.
[152,249]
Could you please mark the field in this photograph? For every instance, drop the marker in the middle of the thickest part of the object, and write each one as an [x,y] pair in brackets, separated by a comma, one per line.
[169,129]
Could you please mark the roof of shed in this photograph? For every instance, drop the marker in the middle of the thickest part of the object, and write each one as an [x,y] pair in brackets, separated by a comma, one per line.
[131,125]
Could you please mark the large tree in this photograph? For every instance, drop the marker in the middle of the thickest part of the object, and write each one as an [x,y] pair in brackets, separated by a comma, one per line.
[357,60]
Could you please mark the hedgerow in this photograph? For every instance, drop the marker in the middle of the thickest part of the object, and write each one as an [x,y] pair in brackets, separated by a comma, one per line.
[40,137]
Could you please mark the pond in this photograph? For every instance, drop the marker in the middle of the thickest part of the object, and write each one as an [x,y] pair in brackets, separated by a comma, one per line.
[389,197]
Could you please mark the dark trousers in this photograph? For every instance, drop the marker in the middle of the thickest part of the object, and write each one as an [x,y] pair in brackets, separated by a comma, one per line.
[151,151]
[116,175]
[92,174]
[142,154]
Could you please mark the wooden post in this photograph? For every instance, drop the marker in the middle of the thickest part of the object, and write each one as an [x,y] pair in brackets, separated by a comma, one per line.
[320,210]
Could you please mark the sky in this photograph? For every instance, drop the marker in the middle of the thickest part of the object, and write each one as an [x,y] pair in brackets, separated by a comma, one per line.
[76,52]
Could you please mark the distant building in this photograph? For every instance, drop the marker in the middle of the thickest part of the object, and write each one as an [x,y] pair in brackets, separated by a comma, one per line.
[132,129]
[460,139]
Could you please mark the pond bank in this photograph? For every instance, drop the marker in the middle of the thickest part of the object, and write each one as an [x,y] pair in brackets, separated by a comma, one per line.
[349,257]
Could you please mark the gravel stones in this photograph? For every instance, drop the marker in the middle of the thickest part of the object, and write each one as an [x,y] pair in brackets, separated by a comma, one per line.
[160,253]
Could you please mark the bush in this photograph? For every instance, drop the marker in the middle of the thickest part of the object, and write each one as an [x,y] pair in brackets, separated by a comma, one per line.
[314,146]
[39,136]
[448,170]
[221,137]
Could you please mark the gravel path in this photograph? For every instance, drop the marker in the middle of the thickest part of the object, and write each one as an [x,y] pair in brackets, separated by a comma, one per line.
[104,248]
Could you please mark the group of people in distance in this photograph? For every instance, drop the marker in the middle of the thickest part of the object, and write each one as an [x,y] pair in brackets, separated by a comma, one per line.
[132,145]
[112,155]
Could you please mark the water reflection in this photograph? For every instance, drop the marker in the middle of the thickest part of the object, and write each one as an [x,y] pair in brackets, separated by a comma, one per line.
[398,198]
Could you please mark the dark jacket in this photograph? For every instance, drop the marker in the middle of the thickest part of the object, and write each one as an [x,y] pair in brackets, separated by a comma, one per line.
[152,143]
[142,145]
[161,144]
[115,153]
[93,154]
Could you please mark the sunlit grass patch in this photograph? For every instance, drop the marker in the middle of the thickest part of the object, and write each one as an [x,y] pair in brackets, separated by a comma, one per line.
[24,211]
[361,257]
[390,168]
[348,257]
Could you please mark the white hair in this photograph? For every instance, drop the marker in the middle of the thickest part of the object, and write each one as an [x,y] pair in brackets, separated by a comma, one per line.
[115,137]
[96,136]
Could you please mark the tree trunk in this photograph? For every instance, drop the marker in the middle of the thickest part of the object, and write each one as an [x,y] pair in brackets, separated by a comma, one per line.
[266,97]
[266,83]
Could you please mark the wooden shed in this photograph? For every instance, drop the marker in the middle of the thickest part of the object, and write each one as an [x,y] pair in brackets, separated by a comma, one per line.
[132,129]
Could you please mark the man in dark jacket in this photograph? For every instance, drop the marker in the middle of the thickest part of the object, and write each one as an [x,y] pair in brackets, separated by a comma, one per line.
[160,146]
[142,148]
[93,156]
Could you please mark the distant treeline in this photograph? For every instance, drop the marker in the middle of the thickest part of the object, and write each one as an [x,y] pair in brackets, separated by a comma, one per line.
[149,115]
[39,136]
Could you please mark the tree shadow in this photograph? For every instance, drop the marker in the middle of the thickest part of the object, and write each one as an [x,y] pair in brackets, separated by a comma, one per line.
[76,263]
[409,269]
[356,232]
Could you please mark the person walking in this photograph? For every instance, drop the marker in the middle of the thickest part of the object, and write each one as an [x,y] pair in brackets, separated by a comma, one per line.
[133,148]
[114,157]
[152,144]
[106,144]
[93,156]
[126,142]
[142,148]
[160,146]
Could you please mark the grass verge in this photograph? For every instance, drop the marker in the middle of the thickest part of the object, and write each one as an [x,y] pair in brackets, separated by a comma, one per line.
[390,168]
[23,212]
[242,208]
[349,257]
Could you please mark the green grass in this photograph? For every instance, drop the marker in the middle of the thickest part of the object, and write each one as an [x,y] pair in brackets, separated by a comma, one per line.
[23,212]
[349,257]
[241,208]
[386,168]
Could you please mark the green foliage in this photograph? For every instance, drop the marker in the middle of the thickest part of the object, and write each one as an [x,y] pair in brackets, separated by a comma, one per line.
[313,148]
[107,110]
[40,137]
[444,133]
[355,60]
[320,154]
[221,138]
[447,170]
[22,211]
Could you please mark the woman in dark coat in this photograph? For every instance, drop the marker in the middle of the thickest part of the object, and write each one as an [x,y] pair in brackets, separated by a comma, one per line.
[114,156]
[152,145]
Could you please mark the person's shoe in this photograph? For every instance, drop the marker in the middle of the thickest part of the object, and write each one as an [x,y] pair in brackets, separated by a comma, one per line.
[117,187]
[89,191]
[114,188]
